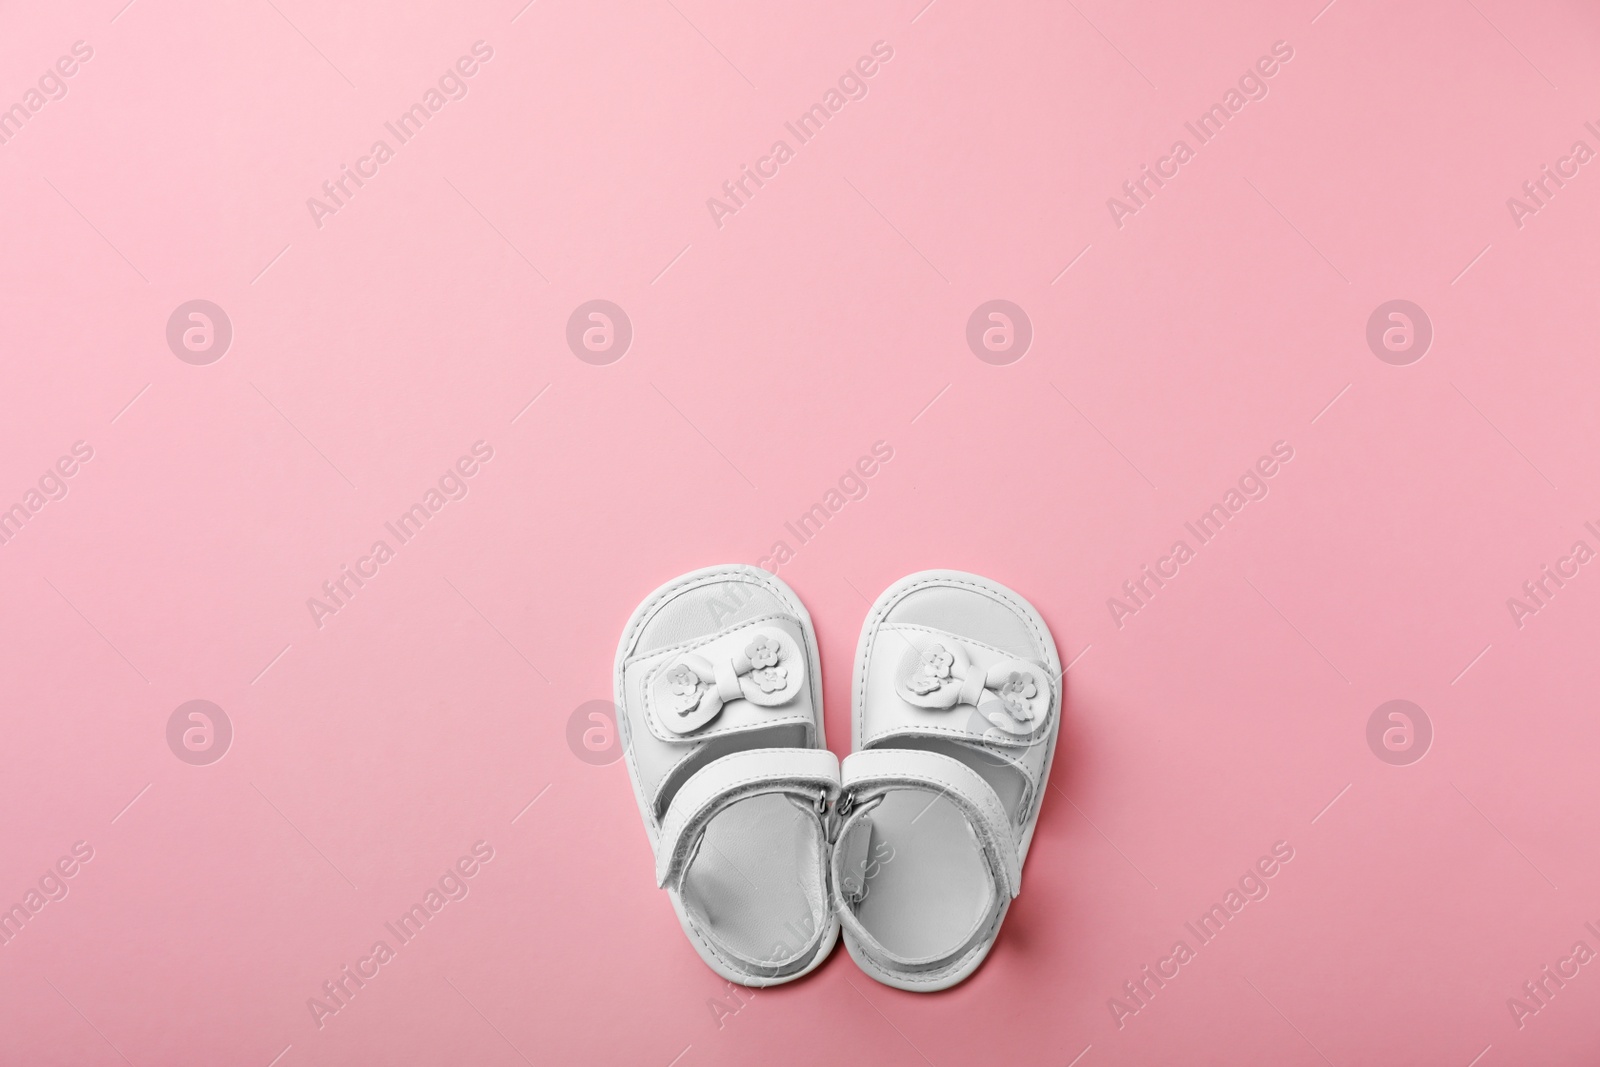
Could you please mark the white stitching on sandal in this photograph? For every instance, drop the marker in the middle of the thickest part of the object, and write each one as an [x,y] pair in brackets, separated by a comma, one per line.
[721,725]
[954,737]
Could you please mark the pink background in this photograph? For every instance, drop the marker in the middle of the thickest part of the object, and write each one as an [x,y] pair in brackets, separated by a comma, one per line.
[768,354]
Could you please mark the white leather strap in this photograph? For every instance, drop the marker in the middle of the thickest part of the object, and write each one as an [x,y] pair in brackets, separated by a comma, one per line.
[867,772]
[882,768]
[925,681]
[808,772]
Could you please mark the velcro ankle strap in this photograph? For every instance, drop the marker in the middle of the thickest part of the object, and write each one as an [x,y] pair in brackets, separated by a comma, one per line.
[890,767]
[807,772]
[873,771]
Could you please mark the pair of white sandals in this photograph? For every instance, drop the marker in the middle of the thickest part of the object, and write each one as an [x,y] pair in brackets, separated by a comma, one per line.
[767,844]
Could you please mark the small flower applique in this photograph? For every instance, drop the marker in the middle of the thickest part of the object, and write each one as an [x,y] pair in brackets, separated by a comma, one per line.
[933,670]
[1015,692]
[684,684]
[762,652]
[770,679]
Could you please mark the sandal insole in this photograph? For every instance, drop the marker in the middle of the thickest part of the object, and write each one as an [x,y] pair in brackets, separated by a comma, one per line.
[928,885]
[755,882]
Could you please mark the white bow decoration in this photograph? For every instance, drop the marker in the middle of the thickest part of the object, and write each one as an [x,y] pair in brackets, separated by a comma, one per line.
[691,690]
[1013,694]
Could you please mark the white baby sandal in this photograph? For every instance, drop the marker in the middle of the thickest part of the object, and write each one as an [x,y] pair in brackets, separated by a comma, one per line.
[956,705]
[719,700]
